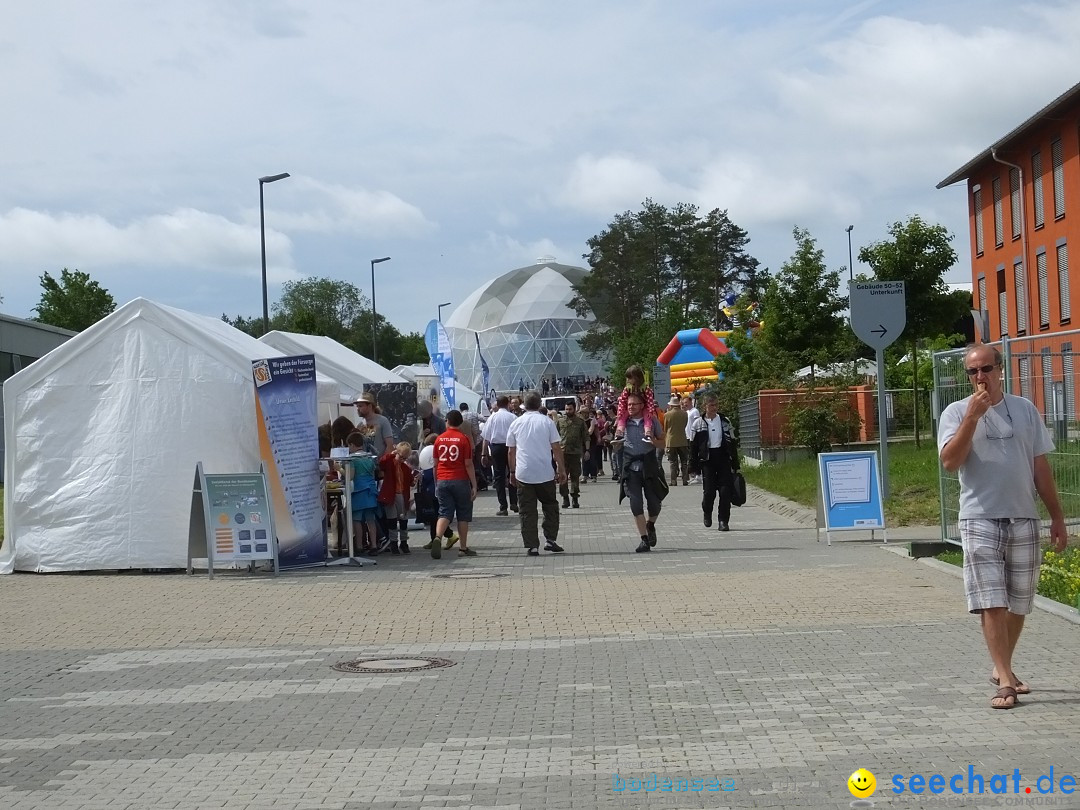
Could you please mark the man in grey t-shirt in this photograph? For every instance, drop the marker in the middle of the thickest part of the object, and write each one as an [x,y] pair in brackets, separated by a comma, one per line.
[998,443]
[379,430]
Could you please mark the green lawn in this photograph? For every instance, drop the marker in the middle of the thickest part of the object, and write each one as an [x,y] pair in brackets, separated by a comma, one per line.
[913,480]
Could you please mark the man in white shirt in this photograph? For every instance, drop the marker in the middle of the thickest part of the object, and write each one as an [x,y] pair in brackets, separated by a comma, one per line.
[495,453]
[715,448]
[999,444]
[532,441]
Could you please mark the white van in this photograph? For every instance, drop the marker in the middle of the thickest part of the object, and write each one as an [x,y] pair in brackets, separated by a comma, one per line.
[557,403]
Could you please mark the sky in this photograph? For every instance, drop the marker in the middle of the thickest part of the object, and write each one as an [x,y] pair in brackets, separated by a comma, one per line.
[464,139]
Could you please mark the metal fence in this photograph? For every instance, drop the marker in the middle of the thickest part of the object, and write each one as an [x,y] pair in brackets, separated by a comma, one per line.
[1037,368]
[901,405]
[750,428]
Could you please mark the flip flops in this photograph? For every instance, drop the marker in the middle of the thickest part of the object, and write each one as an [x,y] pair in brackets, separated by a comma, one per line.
[1021,687]
[1003,694]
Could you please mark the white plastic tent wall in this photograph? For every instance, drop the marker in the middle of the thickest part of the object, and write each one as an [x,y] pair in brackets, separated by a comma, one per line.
[352,371]
[103,434]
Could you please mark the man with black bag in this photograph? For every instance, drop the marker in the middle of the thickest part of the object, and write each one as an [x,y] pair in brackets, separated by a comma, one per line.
[716,450]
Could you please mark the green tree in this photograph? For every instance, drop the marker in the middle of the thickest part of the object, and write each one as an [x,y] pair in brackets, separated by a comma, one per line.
[918,254]
[802,325]
[656,271]
[250,326]
[74,302]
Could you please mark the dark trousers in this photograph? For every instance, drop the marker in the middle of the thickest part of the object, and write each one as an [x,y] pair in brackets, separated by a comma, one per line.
[679,459]
[642,494]
[528,497]
[572,484]
[501,474]
[717,481]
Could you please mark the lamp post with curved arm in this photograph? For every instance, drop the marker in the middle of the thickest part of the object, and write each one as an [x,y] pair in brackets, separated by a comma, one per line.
[271,178]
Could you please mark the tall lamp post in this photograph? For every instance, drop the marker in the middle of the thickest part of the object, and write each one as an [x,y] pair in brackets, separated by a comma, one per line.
[374,262]
[272,178]
[448,303]
[850,263]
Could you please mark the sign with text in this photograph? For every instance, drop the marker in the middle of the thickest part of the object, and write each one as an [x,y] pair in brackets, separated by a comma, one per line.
[286,406]
[878,311]
[850,487]
[232,520]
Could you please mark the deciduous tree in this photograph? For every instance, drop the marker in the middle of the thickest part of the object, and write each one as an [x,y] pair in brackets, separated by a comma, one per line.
[74,302]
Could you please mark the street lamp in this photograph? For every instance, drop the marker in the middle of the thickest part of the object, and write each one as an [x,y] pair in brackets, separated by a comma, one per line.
[440,309]
[850,272]
[374,262]
[273,178]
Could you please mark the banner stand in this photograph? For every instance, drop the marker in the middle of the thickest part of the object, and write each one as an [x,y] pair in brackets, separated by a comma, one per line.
[231,521]
[849,494]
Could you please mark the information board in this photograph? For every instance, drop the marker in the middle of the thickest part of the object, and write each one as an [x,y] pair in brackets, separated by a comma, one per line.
[232,520]
[849,487]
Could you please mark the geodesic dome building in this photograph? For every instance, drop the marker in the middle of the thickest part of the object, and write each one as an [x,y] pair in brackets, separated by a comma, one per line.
[526,329]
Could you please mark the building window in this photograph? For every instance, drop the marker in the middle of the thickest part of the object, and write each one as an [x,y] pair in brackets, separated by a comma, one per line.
[1003,313]
[999,217]
[1021,298]
[977,205]
[1063,281]
[1044,291]
[982,296]
[1025,376]
[1014,201]
[1059,179]
[1037,189]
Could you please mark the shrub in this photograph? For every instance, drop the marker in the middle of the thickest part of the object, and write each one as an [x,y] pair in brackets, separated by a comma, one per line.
[821,419]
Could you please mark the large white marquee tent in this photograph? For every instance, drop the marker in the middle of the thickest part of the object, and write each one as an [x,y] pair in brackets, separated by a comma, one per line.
[103,434]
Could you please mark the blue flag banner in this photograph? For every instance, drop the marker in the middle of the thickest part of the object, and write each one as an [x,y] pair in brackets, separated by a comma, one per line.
[442,360]
[487,372]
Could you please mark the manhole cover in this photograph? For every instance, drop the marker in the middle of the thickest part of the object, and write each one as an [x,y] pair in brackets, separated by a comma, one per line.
[375,665]
[470,575]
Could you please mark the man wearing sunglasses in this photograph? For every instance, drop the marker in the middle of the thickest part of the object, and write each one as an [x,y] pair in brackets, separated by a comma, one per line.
[998,443]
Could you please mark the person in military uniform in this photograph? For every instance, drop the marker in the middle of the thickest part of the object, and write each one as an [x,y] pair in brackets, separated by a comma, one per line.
[574,438]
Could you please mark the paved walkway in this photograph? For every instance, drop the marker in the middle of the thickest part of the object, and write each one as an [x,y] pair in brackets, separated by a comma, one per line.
[759,657]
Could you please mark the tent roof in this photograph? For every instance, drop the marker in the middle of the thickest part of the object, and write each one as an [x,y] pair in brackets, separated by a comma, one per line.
[340,362]
[227,342]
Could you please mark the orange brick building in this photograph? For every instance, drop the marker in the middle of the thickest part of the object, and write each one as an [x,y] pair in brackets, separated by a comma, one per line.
[1024,218]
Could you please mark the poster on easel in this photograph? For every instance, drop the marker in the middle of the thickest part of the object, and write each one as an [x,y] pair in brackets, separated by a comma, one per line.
[849,493]
[231,522]
[286,411]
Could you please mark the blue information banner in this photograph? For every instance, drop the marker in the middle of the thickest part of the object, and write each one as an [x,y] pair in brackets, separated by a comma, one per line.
[442,360]
[851,491]
[286,404]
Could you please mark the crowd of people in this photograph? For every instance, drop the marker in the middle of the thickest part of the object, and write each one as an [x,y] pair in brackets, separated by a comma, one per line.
[532,458]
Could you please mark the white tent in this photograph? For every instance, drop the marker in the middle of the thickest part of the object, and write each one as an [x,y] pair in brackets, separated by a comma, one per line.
[353,371]
[103,434]
[864,368]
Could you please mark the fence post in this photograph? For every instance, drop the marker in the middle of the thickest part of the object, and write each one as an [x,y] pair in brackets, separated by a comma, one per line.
[1006,354]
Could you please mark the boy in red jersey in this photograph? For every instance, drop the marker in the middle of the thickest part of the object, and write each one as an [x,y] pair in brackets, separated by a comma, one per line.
[455,481]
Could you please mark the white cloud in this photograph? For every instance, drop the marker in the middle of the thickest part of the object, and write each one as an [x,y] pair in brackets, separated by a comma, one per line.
[306,204]
[609,184]
[183,238]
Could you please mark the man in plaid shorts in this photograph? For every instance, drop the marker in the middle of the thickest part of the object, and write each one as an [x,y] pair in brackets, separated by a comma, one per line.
[998,442]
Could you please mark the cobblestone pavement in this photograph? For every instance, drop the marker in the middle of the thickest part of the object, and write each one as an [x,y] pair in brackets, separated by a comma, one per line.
[759,658]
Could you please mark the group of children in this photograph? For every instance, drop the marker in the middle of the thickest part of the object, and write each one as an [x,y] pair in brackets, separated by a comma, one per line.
[383,490]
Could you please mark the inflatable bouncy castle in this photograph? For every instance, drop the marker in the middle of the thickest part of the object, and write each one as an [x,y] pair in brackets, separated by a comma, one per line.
[690,356]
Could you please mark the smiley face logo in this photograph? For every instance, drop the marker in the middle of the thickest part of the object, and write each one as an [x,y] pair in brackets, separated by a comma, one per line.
[862,784]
